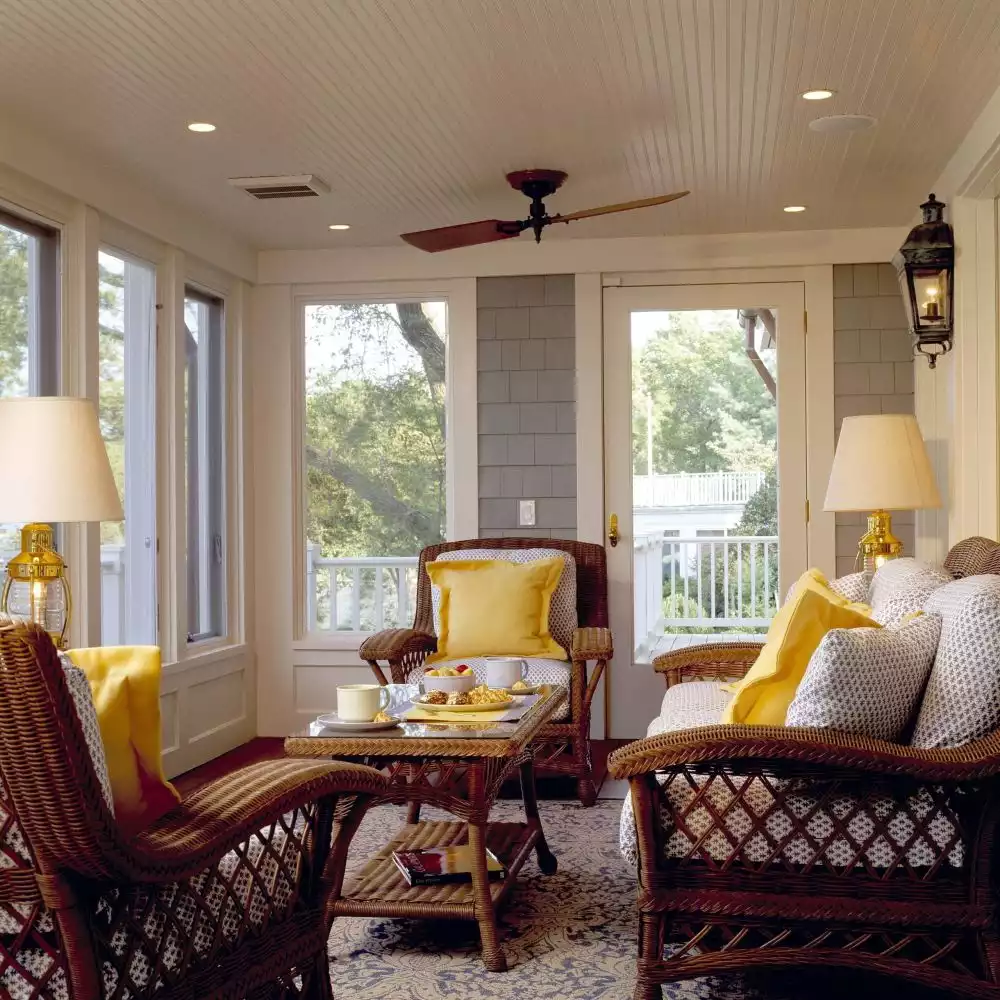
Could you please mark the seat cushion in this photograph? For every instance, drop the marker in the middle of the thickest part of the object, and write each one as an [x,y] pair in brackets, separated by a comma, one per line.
[762,697]
[962,700]
[562,607]
[784,822]
[867,680]
[902,586]
[540,671]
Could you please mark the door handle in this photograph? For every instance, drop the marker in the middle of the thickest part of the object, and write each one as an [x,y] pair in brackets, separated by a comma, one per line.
[613,530]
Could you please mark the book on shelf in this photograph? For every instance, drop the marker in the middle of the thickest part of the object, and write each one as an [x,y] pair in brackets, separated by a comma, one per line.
[434,865]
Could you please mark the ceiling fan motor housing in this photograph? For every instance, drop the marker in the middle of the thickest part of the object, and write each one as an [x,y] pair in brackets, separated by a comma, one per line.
[536,184]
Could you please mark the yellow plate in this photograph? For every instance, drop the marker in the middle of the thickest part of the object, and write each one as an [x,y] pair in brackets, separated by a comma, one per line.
[491,706]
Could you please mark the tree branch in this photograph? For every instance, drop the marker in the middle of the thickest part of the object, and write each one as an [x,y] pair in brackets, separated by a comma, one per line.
[420,334]
[383,502]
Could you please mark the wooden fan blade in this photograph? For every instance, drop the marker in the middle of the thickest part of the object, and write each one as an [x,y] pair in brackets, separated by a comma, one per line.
[466,235]
[625,206]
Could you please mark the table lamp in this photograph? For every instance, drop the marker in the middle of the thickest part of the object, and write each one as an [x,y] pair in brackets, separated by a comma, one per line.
[53,468]
[881,464]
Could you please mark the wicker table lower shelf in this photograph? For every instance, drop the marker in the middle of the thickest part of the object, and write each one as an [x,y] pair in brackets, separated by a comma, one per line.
[379,889]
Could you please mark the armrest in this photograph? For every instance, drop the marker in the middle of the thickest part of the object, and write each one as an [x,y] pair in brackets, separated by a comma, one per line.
[221,815]
[593,644]
[394,643]
[709,662]
[823,747]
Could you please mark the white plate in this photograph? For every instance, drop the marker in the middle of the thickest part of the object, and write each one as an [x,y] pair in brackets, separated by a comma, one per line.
[332,722]
[499,706]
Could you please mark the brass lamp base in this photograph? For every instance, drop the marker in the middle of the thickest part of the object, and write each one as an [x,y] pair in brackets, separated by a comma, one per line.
[878,544]
[36,588]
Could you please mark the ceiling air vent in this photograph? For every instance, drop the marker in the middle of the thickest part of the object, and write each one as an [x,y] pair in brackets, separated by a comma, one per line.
[271,188]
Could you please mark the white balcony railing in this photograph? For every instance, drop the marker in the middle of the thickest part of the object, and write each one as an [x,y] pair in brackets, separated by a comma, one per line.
[695,489]
[702,584]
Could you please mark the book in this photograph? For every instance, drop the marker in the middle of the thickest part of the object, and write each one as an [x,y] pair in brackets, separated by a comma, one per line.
[434,865]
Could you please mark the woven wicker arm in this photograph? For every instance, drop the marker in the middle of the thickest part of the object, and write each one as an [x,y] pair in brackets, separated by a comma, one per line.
[404,649]
[712,662]
[589,644]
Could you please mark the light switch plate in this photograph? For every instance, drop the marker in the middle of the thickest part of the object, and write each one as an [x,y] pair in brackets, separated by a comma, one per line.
[526,513]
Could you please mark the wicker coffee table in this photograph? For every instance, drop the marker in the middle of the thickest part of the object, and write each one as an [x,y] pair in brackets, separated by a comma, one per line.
[460,769]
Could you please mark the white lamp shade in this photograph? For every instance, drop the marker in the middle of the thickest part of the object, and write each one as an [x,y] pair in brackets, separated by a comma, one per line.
[53,463]
[881,464]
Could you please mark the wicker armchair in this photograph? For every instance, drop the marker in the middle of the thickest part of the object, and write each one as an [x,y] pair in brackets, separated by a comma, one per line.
[564,747]
[764,846]
[223,897]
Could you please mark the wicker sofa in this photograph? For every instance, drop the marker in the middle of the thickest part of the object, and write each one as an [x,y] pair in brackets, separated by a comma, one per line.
[760,846]
[225,896]
[563,746]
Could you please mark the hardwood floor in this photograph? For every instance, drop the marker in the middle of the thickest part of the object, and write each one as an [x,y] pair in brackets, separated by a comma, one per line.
[270,748]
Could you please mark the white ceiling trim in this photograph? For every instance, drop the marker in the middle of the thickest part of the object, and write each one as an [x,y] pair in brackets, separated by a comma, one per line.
[666,253]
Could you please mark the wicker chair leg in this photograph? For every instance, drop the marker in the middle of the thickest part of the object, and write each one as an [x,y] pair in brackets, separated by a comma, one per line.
[586,790]
[651,934]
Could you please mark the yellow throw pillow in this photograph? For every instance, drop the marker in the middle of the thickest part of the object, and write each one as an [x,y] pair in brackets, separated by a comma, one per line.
[489,607]
[812,609]
[125,684]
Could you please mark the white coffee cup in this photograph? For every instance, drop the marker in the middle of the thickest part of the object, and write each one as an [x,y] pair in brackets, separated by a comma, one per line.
[361,702]
[505,671]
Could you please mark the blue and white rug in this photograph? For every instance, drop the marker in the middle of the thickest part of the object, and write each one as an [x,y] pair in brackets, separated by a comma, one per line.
[569,936]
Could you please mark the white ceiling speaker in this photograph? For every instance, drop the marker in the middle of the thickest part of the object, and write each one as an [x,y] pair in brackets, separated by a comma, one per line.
[288,186]
[842,123]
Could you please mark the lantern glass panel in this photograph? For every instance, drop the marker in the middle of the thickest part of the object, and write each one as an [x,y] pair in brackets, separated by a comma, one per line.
[931,299]
[40,601]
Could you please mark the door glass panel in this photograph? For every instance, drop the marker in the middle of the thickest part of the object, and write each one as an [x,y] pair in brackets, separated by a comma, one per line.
[704,464]
[374,458]
[127,410]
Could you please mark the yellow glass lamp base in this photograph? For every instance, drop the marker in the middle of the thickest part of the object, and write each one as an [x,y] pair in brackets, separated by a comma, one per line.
[878,544]
[36,588]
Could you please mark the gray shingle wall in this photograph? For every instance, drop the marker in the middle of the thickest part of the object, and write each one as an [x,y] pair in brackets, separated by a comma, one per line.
[872,372]
[527,404]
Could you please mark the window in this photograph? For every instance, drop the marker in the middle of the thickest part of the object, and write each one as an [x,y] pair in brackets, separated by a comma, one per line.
[127,410]
[29,323]
[375,376]
[205,465]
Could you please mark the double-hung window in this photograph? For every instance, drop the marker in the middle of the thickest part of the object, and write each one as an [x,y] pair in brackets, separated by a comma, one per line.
[127,411]
[374,463]
[205,464]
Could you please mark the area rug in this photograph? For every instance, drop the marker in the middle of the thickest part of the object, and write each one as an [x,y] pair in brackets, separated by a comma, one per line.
[568,936]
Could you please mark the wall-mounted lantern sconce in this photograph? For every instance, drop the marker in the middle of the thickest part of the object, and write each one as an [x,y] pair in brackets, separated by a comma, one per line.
[925,266]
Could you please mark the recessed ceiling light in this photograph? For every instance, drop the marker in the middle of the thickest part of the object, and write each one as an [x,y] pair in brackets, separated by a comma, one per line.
[816,95]
[201,127]
[340,225]
[842,123]
[794,208]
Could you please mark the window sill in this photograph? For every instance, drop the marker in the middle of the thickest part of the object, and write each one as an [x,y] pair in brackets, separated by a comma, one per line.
[334,640]
[203,654]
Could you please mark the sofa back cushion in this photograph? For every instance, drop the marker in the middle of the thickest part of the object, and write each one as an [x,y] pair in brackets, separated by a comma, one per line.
[867,680]
[902,586]
[562,607]
[962,699]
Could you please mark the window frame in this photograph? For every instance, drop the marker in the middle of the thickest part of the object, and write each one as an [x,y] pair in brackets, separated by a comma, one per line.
[461,443]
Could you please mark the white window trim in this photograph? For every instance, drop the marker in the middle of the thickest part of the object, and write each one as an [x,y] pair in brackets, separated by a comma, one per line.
[461,446]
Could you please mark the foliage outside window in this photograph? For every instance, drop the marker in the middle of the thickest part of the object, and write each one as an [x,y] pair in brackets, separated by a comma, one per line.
[700,407]
[375,431]
[127,411]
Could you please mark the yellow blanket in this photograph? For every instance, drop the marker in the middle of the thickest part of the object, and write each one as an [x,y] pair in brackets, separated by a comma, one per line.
[125,683]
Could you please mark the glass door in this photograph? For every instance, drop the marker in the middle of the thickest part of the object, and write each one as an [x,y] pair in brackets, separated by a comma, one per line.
[705,470]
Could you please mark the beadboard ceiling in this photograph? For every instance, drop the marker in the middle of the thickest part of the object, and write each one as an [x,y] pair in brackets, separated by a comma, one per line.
[413,110]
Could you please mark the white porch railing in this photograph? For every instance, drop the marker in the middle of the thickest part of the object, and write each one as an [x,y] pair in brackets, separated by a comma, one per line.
[695,489]
[702,584]
[359,594]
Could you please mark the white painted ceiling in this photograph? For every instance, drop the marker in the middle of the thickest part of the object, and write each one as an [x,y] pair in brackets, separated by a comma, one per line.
[413,110]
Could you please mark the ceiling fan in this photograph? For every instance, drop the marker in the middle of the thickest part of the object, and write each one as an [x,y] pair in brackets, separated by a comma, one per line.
[536,185]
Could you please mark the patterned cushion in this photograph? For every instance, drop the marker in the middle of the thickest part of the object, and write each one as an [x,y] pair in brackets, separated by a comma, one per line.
[901,586]
[83,701]
[867,680]
[962,700]
[854,587]
[562,608]
[540,671]
[761,815]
